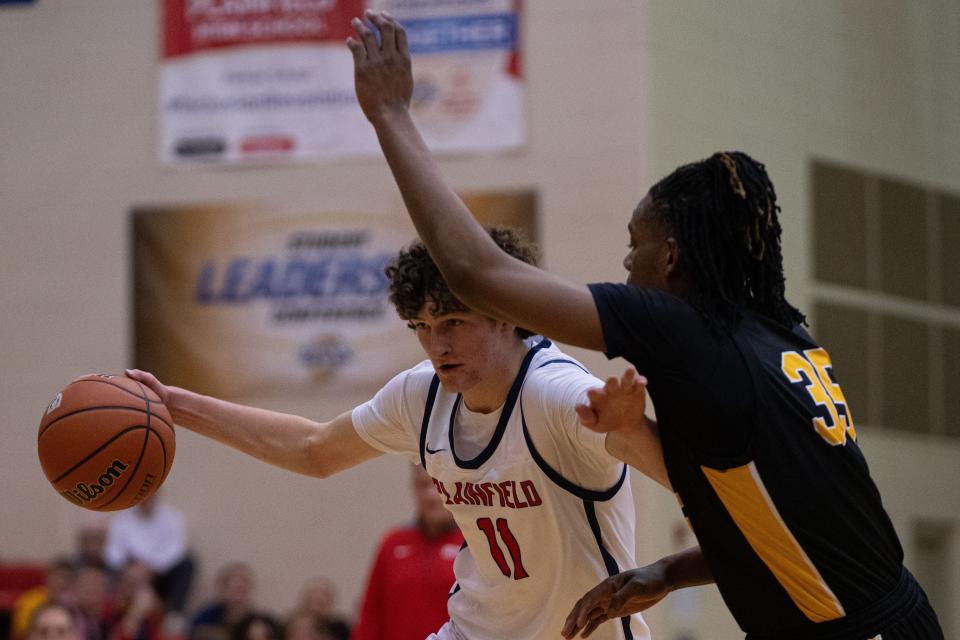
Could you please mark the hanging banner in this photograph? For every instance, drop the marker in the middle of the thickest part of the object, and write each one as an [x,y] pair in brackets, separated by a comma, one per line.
[254,81]
[242,301]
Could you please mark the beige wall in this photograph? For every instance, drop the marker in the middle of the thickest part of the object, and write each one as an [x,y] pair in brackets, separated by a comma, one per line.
[619,95]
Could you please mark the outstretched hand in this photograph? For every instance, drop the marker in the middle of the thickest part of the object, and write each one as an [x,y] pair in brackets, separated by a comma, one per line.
[616,405]
[149,380]
[621,595]
[382,70]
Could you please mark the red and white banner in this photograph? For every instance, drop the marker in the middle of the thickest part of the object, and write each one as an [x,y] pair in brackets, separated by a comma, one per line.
[272,80]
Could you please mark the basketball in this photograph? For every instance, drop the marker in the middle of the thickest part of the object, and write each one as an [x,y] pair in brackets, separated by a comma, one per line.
[106,442]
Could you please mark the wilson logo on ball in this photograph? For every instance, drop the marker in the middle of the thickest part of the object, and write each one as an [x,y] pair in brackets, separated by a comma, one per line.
[89,492]
[54,404]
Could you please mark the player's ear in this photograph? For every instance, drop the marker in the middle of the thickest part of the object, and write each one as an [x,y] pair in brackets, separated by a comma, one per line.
[671,257]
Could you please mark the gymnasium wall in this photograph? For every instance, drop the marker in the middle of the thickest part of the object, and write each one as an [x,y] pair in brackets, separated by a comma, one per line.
[618,96]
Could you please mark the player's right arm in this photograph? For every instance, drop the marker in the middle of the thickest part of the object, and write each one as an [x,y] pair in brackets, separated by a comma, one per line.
[284,440]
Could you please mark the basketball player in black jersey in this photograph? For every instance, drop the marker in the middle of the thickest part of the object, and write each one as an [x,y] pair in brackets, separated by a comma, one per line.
[759,441]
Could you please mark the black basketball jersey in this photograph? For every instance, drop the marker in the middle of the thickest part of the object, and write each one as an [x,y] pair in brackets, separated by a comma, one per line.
[761,448]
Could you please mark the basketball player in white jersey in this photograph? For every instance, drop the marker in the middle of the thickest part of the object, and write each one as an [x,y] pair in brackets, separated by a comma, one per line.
[544,503]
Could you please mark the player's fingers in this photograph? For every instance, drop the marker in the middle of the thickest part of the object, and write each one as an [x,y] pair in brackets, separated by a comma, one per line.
[628,379]
[388,45]
[357,49]
[149,380]
[138,375]
[400,37]
[596,396]
[570,626]
[587,616]
[612,385]
[372,49]
[573,623]
[588,417]
[593,623]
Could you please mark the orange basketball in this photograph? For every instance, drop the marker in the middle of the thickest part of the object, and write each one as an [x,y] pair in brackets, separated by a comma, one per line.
[106,442]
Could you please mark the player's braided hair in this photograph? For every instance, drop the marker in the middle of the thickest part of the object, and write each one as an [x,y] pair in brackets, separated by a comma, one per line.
[416,281]
[723,213]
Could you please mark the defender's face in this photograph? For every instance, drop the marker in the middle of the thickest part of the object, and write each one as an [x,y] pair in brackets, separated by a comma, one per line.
[464,347]
[646,261]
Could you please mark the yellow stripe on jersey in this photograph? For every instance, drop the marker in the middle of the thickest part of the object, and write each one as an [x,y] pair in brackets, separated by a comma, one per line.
[742,492]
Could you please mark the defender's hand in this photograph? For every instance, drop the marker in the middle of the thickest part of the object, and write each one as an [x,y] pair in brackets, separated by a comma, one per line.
[382,70]
[617,405]
[621,595]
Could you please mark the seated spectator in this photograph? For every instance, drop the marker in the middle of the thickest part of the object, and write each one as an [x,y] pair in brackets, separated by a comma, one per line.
[318,599]
[257,626]
[304,626]
[135,611]
[56,589]
[155,534]
[90,600]
[91,540]
[234,600]
[406,595]
[52,621]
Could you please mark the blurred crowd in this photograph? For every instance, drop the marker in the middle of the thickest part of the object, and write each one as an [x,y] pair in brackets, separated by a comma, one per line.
[131,578]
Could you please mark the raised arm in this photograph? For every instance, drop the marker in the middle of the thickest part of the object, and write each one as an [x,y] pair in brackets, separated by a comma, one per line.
[283,440]
[477,271]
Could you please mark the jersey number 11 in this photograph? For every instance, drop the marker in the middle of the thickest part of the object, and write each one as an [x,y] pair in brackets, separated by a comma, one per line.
[486,525]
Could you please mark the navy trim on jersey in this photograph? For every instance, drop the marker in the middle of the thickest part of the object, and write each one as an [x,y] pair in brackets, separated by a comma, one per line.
[554,475]
[565,361]
[484,455]
[456,585]
[581,492]
[431,398]
[609,562]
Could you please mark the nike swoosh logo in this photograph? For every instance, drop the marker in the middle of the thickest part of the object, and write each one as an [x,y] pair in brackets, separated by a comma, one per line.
[432,451]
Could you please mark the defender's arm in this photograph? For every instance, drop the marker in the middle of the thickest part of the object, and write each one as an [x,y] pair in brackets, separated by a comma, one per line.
[477,271]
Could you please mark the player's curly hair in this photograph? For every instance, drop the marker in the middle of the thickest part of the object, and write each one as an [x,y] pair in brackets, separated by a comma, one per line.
[416,281]
[723,213]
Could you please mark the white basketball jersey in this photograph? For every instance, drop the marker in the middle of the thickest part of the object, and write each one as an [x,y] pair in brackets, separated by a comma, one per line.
[535,541]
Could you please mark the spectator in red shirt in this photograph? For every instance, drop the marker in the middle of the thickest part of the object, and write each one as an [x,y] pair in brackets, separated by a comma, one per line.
[406,596]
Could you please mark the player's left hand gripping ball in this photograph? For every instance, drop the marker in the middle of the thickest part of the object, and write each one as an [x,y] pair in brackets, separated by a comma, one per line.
[106,442]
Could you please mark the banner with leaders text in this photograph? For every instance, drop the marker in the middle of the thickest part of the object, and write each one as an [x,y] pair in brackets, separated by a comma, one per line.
[243,301]
[258,81]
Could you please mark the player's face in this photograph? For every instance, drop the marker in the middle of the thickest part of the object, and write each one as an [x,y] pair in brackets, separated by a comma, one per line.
[648,257]
[465,348]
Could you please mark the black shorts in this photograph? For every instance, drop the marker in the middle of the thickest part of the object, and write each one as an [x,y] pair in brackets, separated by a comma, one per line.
[920,624]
